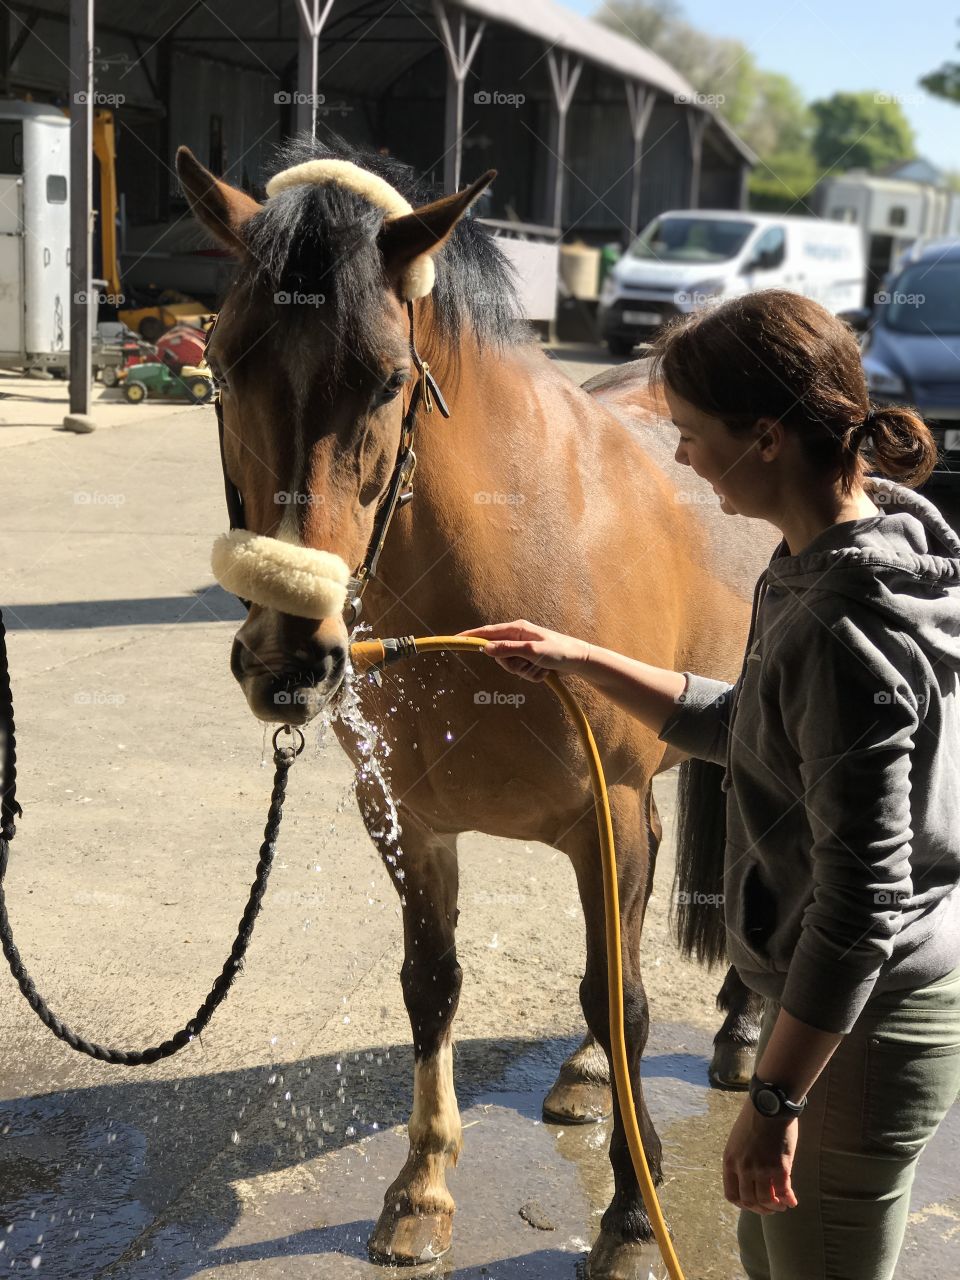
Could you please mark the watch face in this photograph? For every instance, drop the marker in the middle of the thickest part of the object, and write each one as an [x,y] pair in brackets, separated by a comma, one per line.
[767,1101]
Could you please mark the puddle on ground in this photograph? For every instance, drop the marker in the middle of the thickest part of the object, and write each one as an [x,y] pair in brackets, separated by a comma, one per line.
[160,1178]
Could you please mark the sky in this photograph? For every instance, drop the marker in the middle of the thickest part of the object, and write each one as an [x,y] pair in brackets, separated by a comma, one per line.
[826,46]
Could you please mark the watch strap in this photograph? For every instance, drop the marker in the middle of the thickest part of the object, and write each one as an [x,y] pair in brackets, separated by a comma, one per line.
[786,1105]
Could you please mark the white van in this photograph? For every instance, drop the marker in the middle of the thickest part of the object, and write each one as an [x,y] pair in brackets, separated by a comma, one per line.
[692,258]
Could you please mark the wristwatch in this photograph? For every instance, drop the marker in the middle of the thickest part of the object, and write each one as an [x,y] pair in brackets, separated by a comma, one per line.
[770,1100]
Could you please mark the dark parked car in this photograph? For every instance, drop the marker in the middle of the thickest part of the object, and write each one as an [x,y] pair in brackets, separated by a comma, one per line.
[911,348]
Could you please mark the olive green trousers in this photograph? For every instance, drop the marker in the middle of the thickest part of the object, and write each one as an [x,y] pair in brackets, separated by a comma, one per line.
[870,1114]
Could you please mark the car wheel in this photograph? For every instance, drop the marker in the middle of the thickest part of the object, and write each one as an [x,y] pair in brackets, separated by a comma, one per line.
[620,346]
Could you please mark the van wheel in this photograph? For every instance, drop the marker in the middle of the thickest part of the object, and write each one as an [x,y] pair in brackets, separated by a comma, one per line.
[620,346]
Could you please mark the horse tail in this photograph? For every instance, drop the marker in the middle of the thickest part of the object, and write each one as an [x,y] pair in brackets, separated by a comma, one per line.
[698,918]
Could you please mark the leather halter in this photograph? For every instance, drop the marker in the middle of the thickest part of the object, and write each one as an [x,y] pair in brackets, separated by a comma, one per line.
[398,492]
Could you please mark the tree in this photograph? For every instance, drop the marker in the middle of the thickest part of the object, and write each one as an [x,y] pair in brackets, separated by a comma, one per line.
[722,69]
[860,131]
[945,82]
[766,109]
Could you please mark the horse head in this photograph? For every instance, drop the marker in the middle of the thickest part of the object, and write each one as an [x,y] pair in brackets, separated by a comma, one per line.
[314,357]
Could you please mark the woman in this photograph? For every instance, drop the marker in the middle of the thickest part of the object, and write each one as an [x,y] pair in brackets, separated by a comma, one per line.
[841,741]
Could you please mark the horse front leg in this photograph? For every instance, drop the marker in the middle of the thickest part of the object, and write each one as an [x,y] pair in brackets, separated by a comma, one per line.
[416,1224]
[581,1093]
[625,1248]
[735,1044]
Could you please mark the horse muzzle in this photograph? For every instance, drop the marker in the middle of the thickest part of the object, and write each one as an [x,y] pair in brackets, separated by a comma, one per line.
[290,655]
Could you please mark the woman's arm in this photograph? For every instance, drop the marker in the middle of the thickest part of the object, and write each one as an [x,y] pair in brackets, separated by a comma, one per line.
[646,692]
[795,1055]
[682,708]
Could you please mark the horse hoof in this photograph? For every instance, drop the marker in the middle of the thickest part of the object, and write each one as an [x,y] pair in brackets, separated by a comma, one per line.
[612,1259]
[404,1240]
[732,1066]
[577,1102]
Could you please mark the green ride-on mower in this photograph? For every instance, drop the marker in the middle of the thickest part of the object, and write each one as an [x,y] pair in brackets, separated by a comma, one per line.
[159,382]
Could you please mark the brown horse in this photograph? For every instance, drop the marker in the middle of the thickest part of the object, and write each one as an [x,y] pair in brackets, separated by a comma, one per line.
[536,499]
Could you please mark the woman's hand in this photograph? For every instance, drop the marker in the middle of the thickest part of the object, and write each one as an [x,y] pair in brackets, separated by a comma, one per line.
[530,651]
[758,1159]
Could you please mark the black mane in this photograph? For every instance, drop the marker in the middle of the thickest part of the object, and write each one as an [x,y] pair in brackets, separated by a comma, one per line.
[321,239]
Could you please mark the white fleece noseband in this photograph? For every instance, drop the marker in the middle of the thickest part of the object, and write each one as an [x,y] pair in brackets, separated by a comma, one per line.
[280,575]
[419,276]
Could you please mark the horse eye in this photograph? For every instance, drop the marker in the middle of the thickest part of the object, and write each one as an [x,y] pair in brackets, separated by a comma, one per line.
[393,385]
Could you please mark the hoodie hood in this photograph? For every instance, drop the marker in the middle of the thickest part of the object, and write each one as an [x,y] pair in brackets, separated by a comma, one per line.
[904,563]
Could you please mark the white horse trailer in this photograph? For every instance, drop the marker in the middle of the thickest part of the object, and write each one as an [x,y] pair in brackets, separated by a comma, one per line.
[34,236]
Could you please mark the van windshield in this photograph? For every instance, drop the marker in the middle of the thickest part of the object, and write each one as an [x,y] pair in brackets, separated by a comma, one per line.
[692,239]
[924,299]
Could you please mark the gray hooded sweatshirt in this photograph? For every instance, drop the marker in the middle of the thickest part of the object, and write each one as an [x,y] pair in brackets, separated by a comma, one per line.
[842,778]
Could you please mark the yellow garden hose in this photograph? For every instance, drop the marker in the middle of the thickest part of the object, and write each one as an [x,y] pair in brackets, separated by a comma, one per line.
[367,654]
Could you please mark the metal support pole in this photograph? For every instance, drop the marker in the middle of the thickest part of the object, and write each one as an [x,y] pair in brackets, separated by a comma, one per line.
[312,22]
[81,213]
[640,102]
[564,79]
[743,195]
[696,123]
[460,58]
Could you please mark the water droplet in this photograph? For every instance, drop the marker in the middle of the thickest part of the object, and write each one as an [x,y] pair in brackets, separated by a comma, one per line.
[235,1137]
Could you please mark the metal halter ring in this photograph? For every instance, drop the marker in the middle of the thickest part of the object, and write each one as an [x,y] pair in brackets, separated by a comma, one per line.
[291,729]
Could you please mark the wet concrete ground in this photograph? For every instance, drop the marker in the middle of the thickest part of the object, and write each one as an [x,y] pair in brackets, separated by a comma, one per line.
[280,1172]
[265,1150]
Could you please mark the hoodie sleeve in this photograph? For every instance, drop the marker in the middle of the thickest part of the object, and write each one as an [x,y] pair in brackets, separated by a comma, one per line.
[851,703]
[700,723]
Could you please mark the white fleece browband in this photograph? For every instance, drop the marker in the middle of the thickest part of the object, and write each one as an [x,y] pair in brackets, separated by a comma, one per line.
[280,575]
[419,276]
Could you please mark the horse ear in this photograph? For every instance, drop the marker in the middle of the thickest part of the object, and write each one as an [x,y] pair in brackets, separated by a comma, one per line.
[425,229]
[222,209]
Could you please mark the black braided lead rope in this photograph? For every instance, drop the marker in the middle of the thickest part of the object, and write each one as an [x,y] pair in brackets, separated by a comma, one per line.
[283,758]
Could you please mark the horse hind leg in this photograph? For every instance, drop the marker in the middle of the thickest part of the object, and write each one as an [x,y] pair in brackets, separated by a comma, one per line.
[416,1223]
[581,1093]
[735,1044]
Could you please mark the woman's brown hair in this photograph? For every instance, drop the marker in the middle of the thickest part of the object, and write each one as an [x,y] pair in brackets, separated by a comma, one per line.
[775,354]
